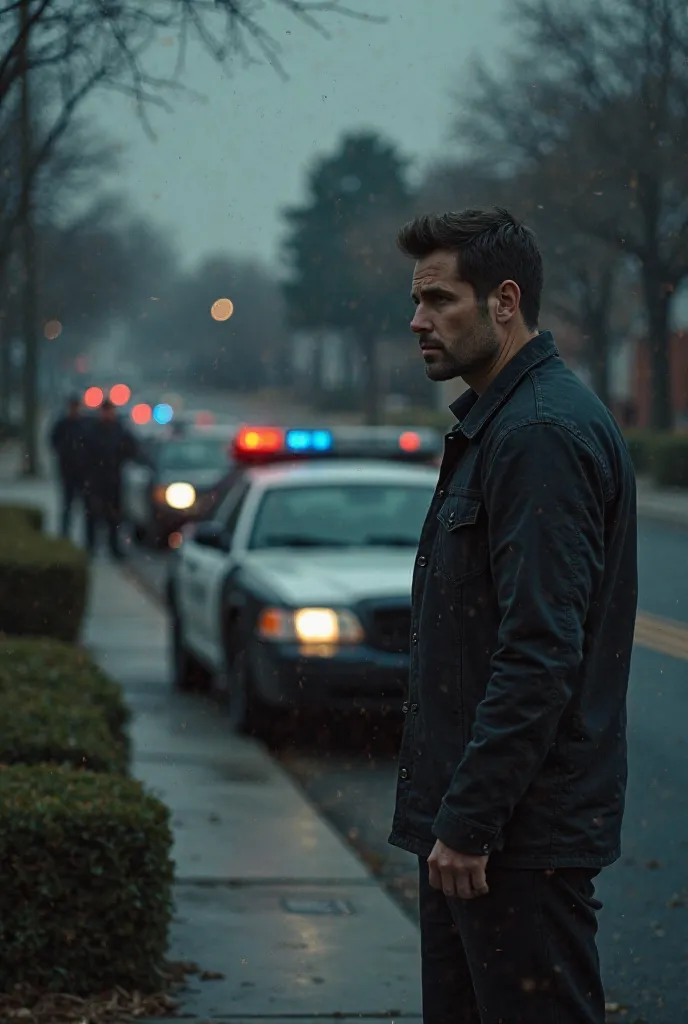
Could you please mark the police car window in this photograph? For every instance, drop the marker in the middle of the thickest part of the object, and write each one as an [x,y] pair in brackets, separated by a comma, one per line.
[196,454]
[342,515]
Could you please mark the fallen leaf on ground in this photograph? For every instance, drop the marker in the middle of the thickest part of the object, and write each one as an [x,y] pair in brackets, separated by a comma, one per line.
[115,1006]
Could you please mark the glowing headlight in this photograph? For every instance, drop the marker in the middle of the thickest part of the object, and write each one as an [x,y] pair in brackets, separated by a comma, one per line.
[310,626]
[180,496]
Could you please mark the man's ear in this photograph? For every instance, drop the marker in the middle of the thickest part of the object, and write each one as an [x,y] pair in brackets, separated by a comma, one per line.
[508,301]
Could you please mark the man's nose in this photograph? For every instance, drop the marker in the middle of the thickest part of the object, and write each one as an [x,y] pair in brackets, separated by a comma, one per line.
[420,323]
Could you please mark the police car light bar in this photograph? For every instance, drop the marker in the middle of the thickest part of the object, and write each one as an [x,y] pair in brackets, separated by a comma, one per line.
[271,444]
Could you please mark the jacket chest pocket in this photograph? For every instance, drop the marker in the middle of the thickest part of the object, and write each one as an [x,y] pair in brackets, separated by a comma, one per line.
[462,538]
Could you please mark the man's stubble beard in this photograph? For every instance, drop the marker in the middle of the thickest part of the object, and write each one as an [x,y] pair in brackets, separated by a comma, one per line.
[479,348]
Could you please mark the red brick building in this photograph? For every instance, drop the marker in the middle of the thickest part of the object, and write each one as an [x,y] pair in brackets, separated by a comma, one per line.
[678,355]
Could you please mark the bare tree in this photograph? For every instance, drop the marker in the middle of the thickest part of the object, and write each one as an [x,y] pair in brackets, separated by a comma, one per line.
[76,46]
[598,100]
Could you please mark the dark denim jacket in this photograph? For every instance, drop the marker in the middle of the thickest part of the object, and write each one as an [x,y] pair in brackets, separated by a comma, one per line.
[524,602]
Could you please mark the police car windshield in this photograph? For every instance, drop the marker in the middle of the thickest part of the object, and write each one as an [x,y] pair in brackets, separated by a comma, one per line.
[194,454]
[341,515]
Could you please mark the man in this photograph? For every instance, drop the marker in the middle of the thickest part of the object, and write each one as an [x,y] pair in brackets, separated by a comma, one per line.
[67,441]
[512,769]
[109,446]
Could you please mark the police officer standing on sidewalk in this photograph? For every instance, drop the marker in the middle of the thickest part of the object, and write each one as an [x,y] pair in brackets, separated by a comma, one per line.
[67,439]
[512,771]
[109,445]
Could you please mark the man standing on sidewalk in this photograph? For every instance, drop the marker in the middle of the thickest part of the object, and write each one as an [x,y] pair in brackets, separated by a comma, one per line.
[109,446]
[512,770]
[67,441]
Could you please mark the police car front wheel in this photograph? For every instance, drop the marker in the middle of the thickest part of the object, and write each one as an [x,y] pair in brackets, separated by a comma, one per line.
[248,714]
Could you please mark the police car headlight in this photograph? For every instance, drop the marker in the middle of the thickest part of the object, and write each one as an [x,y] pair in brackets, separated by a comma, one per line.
[310,626]
[180,496]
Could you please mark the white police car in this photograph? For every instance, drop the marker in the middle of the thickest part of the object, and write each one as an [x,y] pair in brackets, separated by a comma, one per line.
[297,594]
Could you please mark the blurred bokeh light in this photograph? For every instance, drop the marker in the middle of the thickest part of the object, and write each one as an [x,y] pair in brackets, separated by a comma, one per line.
[52,330]
[163,413]
[120,394]
[93,397]
[222,309]
[141,414]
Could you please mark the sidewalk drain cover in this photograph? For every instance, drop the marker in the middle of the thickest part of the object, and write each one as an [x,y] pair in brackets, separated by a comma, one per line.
[336,908]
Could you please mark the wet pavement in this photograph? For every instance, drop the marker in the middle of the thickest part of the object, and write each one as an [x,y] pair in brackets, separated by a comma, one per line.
[277,911]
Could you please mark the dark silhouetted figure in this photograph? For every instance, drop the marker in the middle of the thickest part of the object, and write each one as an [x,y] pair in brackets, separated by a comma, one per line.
[109,445]
[67,439]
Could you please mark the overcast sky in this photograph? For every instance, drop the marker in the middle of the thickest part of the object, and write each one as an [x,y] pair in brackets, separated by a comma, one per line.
[223,167]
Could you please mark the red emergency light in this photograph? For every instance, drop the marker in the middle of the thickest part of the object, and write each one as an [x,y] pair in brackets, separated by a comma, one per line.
[274,444]
[259,440]
[410,441]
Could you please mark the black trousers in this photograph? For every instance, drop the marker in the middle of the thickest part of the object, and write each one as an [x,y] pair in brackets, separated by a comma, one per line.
[102,509]
[71,491]
[524,954]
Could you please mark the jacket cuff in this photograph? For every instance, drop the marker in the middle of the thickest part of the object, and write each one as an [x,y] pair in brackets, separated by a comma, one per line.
[464,836]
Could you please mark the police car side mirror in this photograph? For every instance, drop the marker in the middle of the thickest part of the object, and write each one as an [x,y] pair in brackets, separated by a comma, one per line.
[211,534]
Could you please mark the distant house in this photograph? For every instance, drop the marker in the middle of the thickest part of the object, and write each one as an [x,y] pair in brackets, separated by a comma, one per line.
[678,362]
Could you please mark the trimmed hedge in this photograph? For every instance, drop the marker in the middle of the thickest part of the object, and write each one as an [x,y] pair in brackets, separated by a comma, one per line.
[68,673]
[28,515]
[85,881]
[668,463]
[661,456]
[42,726]
[43,580]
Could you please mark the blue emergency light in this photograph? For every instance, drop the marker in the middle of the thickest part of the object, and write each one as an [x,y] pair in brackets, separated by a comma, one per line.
[271,444]
[163,413]
[308,440]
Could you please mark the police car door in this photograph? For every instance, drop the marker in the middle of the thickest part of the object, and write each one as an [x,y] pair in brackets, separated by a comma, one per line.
[204,570]
[137,479]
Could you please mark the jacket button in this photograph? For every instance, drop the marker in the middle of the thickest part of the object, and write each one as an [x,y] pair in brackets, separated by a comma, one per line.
[414,638]
[486,848]
[404,708]
[414,709]
[403,773]
[441,494]
[422,561]
[451,517]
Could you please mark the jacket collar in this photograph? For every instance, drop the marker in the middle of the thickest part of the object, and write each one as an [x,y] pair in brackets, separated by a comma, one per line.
[473,410]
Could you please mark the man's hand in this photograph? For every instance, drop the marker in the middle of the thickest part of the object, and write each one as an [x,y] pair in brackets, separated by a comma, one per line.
[457,874]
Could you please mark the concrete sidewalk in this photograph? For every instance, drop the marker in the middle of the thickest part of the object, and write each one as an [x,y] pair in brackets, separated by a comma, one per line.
[267,897]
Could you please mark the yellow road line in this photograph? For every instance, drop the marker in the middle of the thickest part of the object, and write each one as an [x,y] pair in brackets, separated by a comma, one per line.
[665,636]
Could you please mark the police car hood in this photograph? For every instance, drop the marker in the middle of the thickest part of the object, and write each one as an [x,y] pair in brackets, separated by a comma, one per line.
[319,577]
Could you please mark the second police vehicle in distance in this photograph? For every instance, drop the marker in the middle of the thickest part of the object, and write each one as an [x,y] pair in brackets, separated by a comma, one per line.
[184,467]
[296,595]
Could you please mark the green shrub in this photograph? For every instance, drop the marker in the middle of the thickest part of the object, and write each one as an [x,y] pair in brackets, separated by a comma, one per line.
[67,672]
[668,461]
[43,582]
[40,725]
[85,881]
[640,444]
[29,515]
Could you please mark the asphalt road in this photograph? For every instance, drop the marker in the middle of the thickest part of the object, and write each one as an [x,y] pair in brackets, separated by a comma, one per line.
[644,924]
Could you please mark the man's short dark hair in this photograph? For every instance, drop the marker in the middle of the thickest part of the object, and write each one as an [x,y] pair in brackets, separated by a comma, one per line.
[491,246]
[107,405]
